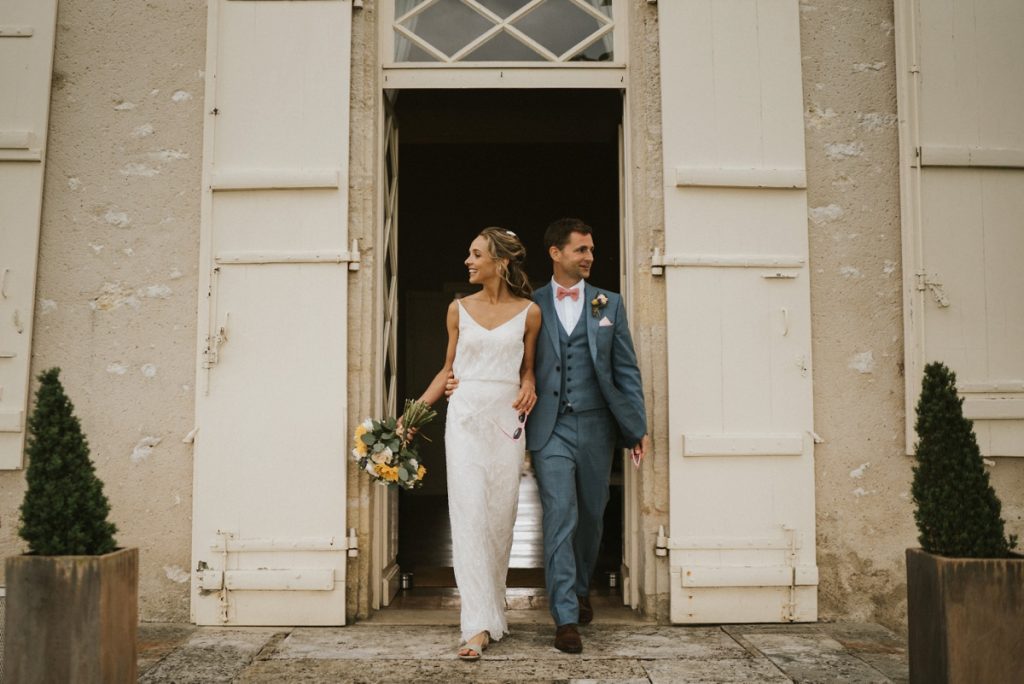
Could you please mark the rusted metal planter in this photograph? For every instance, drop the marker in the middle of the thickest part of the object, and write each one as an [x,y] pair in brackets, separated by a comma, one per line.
[966,618]
[72,618]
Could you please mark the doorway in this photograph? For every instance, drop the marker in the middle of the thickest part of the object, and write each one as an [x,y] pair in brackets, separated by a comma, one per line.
[517,159]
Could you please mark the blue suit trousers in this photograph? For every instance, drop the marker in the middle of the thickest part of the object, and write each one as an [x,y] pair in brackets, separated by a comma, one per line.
[573,469]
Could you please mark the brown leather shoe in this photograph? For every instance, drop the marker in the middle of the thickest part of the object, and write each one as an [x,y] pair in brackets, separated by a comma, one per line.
[586,610]
[567,639]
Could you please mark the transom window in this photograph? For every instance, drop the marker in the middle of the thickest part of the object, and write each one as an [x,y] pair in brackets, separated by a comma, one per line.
[503,31]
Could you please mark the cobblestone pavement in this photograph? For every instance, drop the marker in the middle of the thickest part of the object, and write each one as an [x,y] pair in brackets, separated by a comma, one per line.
[613,653]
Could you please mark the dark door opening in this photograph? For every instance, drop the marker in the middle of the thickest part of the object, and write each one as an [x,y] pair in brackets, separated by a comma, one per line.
[516,159]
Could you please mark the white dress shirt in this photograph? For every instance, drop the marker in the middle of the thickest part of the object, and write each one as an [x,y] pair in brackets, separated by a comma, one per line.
[569,311]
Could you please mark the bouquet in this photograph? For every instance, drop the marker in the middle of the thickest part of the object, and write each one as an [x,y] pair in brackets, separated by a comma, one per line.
[387,450]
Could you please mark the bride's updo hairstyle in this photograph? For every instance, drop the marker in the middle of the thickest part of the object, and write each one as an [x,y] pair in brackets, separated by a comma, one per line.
[505,244]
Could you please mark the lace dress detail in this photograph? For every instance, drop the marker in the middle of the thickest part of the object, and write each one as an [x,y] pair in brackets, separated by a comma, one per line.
[485,462]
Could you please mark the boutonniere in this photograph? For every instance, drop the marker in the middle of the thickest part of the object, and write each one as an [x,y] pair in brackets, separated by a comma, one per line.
[598,303]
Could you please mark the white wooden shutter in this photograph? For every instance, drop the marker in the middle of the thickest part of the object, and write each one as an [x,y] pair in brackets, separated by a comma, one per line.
[269,536]
[961,100]
[741,490]
[26,61]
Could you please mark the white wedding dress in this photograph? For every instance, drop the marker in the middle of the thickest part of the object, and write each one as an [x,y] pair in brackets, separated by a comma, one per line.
[484,454]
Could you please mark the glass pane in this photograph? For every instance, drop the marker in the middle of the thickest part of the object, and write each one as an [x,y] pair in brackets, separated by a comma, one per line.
[503,8]
[558,25]
[503,48]
[603,6]
[403,6]
[448,25]
[407,51]
[598,51]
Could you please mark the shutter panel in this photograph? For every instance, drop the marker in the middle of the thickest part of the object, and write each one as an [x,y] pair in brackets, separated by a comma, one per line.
[741,489]
[27,29]
[963,201]
[269,538]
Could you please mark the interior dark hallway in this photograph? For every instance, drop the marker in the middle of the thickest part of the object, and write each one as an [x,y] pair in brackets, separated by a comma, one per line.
[467,160]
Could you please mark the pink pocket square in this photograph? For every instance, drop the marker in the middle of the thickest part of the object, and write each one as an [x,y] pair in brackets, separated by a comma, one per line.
[604,323]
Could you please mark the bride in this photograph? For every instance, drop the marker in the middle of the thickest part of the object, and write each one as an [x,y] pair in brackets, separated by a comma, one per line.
[492,335]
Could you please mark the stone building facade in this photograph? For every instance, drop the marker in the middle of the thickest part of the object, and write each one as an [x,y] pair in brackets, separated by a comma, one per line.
[123,276]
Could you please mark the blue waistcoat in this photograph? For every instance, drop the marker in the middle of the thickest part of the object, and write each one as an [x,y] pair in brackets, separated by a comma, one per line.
[580,389]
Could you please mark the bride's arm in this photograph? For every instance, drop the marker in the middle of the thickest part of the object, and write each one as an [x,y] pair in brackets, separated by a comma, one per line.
[436,388]
[527,380]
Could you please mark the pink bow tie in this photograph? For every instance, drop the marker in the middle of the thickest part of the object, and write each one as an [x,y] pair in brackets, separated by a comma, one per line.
[562,293]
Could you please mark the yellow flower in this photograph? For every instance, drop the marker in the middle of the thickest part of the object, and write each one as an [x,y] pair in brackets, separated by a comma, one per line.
[386,472]
[420,472]
[357,441]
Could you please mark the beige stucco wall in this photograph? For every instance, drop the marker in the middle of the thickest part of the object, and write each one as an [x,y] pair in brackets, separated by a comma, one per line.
[865,518]
[116,291]
[118,277]
[364,215]
[862,473]
[647,225]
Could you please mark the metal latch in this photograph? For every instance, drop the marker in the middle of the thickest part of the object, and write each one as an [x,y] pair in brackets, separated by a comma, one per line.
[213,343]
[926,283]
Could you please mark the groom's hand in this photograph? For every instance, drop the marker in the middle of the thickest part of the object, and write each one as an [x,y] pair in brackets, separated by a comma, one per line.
[640,450]
[451,385]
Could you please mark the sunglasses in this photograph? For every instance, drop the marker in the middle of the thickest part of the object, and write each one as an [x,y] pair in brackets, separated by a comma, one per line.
[515,434]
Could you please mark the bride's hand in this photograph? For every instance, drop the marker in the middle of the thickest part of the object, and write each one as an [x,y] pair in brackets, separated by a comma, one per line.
[527,398]
[400,429]
[451,385]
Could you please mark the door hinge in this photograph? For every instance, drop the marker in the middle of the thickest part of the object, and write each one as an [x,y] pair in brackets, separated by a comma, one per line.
[924,282]
[353,543]
[661,545]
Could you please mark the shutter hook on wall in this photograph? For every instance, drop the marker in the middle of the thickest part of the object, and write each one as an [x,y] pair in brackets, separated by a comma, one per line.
[3,283]
[657,263]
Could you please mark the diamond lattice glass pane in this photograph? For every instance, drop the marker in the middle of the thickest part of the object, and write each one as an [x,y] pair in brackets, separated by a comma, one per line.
[598,51]
[448,25]
[403,6]
[603,6]
[503,48]
[558,25]
[503,8]
[408,51]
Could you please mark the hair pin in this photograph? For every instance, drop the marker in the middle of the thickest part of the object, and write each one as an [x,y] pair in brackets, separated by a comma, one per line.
[511,233]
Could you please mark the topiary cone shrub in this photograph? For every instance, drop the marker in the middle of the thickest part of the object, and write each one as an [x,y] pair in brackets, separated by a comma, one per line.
[64,512]
[958,512]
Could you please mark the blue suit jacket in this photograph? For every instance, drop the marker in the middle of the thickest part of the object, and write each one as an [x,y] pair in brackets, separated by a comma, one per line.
[611,349]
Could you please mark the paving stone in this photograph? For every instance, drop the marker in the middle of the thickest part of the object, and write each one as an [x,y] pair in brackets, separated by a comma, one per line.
[860,636]
[622,654]
[894,666]
[210,655]
[654,641]
[486,671]
[814,658]
[879,647]
[729,671]
[157,639]
[527,642]
[368,642]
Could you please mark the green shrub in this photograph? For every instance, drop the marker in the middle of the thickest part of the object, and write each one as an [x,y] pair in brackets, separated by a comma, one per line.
[958,512]
[65,511]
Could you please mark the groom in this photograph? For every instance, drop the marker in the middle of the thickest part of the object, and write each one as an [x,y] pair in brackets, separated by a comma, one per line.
[589,400]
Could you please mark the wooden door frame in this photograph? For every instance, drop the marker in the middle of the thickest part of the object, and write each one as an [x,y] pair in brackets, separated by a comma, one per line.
[384,576]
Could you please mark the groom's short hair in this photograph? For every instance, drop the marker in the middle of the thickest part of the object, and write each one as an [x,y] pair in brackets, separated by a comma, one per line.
[557,234]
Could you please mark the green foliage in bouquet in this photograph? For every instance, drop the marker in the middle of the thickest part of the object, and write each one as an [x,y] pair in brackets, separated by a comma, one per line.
[387,450]
[958,512]
[64,512]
